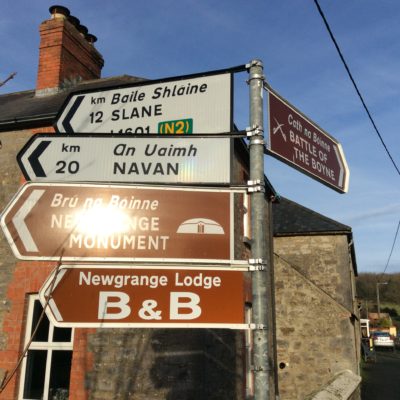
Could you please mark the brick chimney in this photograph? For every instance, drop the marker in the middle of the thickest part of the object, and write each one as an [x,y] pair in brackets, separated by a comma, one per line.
[67,54]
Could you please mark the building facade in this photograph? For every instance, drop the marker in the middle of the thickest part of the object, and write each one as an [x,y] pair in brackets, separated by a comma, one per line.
[317,323]
[316,332]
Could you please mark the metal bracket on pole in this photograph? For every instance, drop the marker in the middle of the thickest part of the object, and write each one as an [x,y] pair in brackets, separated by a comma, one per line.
[259,327]
[254,130]
[256,135]
[255,186]
[256,76]
[257,264]
[257,141]
[255,63]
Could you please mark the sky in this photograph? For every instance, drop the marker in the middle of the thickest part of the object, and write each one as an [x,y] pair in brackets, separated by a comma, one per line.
[165,38]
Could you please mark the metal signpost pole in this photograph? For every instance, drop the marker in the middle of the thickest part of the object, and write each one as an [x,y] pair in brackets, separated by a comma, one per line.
[259,247]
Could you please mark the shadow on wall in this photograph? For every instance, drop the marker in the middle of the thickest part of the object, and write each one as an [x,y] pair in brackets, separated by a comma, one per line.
[119,358]
[166,364]
[197,364]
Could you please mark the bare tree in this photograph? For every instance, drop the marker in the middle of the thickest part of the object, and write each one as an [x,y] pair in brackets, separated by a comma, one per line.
[11,76]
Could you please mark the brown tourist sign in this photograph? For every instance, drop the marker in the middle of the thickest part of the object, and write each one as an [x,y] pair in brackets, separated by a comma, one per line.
[296,140]
[115,296]
[94,222]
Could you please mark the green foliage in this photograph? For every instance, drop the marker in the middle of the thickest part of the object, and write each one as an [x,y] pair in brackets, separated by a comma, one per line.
[384,323]
[390,293]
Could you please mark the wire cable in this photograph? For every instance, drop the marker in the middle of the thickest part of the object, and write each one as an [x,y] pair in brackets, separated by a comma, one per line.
[355,85]
[391,251]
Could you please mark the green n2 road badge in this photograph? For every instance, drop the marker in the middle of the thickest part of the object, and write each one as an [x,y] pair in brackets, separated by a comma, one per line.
[179,126]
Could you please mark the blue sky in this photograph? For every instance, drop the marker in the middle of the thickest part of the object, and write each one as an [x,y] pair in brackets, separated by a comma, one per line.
[162,38]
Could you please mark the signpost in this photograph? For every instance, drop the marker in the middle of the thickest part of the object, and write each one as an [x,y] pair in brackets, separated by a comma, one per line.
[123,158]
[296,140]
[120,223]
[115,296]
[169,226]
[197,104]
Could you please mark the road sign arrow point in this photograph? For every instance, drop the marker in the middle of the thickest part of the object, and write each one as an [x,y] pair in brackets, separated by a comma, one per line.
[34,159]
[66,123]
[344,171]
[56,312]
[19,220]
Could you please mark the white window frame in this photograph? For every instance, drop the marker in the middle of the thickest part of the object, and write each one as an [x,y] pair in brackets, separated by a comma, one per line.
[48,346]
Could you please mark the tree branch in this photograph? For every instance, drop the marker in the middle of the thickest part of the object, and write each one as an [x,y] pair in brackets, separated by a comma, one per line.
[11,76]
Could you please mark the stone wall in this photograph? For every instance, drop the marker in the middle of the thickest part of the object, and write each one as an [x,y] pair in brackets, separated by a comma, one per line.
[316,329]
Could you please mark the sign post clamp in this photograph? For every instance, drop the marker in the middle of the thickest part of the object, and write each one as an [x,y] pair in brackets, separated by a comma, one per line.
[257,264]
[255,186]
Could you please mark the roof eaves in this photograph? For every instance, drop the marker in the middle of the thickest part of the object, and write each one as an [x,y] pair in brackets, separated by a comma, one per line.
[27,122]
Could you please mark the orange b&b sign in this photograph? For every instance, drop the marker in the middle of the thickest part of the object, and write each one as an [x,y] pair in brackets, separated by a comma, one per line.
[115,296]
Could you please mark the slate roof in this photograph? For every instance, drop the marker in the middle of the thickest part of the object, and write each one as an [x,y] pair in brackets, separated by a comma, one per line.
[21,109]
[290,218]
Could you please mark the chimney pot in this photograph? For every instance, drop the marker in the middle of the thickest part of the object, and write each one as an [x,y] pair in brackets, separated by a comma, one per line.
[91,38]
[74,21]
[59,12]
[83,30]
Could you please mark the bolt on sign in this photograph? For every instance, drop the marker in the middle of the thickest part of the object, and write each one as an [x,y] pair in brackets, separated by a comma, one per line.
[181,105]
[115,296]
[299,142]
[120,223]
[124,158]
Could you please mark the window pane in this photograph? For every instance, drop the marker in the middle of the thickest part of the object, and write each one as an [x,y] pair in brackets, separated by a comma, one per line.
[59,375]
[35,373]
[42,333]
[62,334]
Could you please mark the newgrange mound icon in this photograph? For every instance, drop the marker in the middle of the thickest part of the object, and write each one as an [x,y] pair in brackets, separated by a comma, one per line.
[201,226]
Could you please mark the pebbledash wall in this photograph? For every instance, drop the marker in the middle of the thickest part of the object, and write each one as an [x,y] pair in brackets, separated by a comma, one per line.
[316,318]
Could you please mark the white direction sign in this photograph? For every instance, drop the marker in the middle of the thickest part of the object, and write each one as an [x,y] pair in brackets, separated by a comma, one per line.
[124,158]
[201,104]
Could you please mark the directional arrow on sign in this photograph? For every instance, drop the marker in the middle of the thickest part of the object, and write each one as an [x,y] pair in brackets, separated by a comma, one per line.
[19,221]
[123,158]
[33,159]
[66,122]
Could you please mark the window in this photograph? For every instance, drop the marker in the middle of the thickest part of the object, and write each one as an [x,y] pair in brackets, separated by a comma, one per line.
[46,367]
